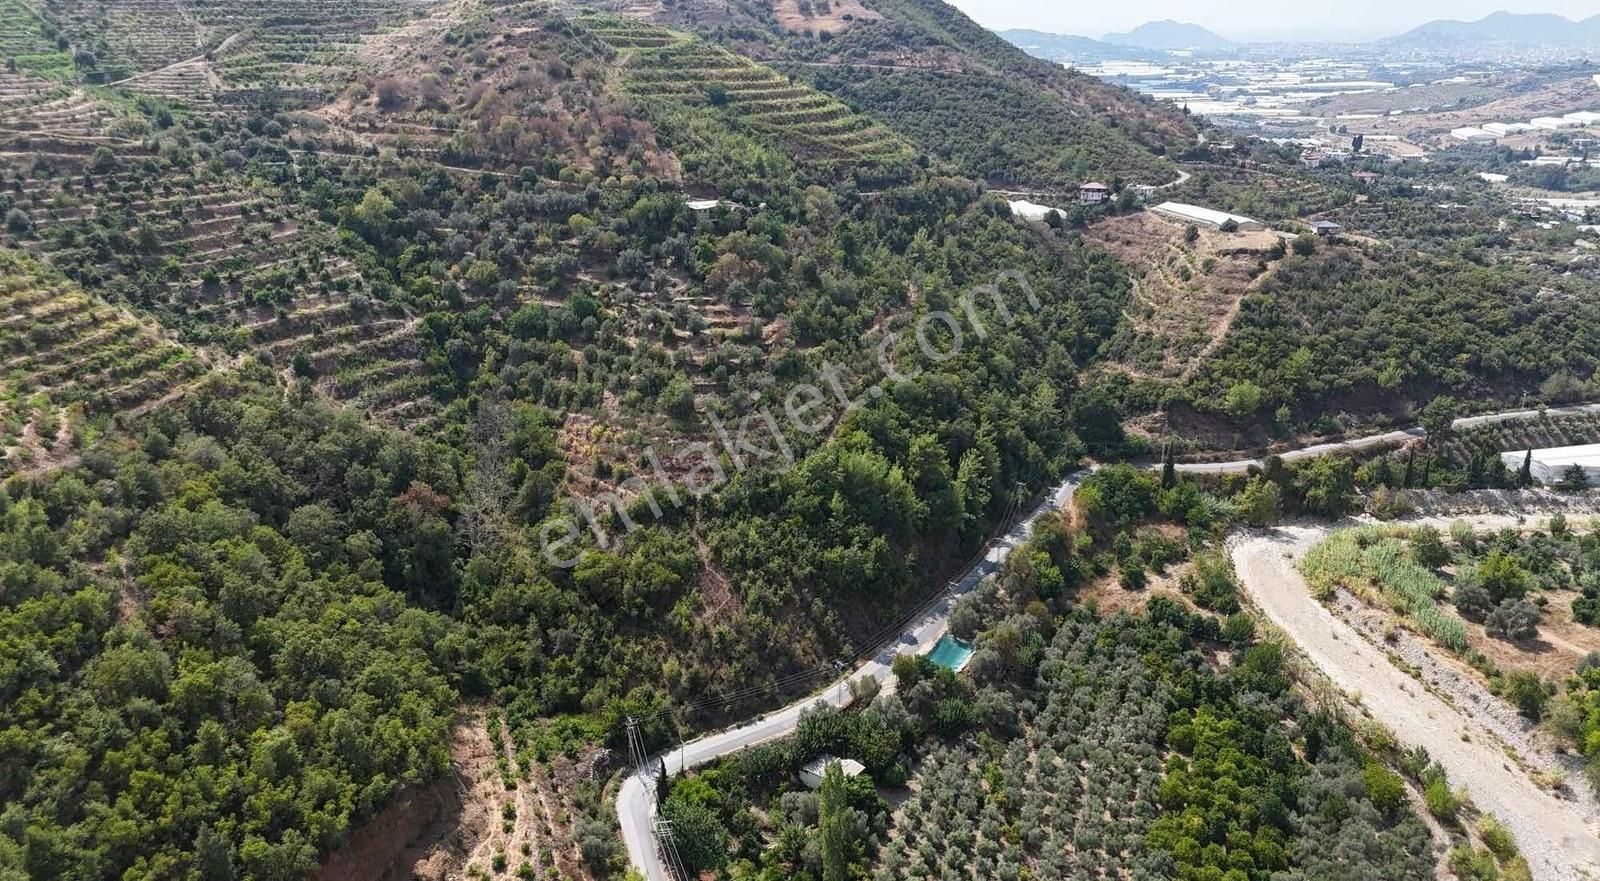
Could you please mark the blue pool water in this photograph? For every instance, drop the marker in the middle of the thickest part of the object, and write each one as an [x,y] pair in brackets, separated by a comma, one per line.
[951,653]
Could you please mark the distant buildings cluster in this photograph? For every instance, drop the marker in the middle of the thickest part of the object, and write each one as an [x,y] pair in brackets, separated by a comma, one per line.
[1495,130]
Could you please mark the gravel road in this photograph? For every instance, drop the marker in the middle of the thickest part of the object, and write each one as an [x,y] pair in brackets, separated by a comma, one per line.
[1553,834]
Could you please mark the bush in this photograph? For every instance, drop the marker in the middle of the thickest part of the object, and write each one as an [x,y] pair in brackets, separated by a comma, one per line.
[1428,547]
[1384,788]
[1513,620]
[1260,502]
[18,222]
[1211,585]
[1502,577]
[1239,630]
[1442,802]
[1473,865]
[1527,691]
[1496,838]
[1473,602]
[1586,610]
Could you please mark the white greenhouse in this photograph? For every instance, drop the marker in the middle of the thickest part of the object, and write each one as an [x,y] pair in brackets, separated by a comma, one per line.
[1548,466]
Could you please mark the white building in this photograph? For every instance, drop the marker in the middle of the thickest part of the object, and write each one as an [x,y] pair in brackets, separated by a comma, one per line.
[1584,117]
[1472,135]
[1206,216]
[1032,210]
[1501,129]
[1554,122]
[811,775]
[1549,466]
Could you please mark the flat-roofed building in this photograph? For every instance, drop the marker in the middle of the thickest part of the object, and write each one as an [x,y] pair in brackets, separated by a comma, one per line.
[1207,216]
[1472,135]
[811,775]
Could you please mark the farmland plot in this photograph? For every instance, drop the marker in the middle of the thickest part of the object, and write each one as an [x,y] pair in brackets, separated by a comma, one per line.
[61,348]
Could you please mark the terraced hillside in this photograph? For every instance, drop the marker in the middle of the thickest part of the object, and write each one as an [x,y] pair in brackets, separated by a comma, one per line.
[229,264]
[242,52]
[30,42]
[64,352]
[668,69]
[953,89]
[1186,293]
[546,102]
[32,106]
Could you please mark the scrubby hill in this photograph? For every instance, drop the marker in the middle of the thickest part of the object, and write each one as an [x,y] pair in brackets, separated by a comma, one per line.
[960,93]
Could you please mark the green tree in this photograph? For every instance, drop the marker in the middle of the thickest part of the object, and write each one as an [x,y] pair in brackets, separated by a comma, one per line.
[1427,546]
[1327,486]
[1260,503]
[1502,577]
[1527,691]
[1243,398]
[1439,415]
[837,829]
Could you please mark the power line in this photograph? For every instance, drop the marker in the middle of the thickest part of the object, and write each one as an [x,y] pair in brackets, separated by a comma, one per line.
[668,846]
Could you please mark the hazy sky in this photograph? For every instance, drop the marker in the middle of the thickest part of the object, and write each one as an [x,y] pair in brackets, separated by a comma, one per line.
[1254,19]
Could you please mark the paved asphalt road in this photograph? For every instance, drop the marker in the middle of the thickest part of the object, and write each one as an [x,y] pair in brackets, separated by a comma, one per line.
[635,803]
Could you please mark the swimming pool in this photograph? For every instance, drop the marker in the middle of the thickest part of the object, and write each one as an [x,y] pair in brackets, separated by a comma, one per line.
[951,653]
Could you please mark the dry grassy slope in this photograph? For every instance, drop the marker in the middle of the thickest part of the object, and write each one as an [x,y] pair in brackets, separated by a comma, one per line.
[501,86]
[1186,294]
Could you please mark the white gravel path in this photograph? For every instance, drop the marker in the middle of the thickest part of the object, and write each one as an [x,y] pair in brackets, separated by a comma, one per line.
[1559,843]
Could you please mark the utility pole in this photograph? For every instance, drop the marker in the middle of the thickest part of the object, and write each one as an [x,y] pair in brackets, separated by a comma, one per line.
[636,753]
[669,850]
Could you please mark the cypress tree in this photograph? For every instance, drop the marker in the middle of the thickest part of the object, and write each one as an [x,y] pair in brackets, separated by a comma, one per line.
[1169,467]
[1525,475]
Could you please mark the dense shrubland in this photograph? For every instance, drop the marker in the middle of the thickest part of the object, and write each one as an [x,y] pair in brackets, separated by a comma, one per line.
[1337,328]
[220,654]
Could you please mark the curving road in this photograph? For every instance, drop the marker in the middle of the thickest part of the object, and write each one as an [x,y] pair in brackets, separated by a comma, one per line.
[635,801]
[1390,438]
[1553,833]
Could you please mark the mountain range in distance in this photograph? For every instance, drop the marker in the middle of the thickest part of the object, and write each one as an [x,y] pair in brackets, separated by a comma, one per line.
[1506,28]
[1500,29]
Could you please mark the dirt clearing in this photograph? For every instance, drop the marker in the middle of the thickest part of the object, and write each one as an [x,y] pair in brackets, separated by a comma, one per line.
[1185,293]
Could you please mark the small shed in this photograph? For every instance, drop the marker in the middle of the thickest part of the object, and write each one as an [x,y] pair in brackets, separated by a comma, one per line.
[1326,228]
[811,775]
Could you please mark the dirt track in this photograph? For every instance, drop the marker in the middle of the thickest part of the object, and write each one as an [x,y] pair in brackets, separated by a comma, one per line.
[1553,835]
